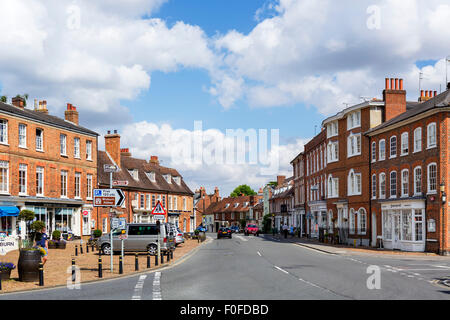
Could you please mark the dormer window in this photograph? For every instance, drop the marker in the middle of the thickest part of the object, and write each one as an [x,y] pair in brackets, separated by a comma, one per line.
[227,205]
[236,205]
[168,178]
[245,204]
[151,176]
[177,180]
[134,173]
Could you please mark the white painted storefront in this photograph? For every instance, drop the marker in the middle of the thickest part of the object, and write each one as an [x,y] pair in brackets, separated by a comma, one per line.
[403,225]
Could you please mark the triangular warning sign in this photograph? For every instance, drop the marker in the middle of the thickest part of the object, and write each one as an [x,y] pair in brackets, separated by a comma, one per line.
[158,209]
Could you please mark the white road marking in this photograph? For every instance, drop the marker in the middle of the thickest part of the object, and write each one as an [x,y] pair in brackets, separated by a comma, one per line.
[445,267]
[308,248]
[241,238]
[138,288]
[157,286]
[259,254]
[281,270]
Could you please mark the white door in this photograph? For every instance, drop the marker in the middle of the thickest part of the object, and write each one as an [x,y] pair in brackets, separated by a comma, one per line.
[86,225]
[395,231]
[374,229]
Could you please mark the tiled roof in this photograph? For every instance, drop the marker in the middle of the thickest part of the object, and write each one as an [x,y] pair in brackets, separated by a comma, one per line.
[43,117]
[439,101]
[229,205]
[143,182]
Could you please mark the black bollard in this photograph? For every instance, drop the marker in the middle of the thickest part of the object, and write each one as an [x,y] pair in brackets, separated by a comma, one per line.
[73,270]
[156,259]
[136,262]
[168,255]
[120,265]
[171,254]
[41,274]
[100,269]
[148,260]
[81,249]
[87,248]
[0,283]
[93,248]
[162,258]
[76,250]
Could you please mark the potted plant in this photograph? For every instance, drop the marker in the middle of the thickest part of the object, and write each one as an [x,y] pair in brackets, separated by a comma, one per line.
[30,256]
[5,270]
[57,242]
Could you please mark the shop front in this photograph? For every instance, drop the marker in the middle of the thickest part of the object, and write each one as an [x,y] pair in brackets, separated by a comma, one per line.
[8,221]
[403,225]
[317,218]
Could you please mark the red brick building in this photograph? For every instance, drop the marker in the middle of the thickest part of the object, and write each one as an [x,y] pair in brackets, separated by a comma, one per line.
[281,202]
[409,173]
[230,211]
[47,165]
[299,212]
[202,201]
[144,184]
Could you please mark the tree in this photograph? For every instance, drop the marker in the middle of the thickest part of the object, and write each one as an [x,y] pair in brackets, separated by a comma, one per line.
[4,99]
[267,223]
[243,189]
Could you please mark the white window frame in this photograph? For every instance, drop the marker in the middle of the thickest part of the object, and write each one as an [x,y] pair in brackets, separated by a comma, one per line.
[362,228]
[382,151]
[404,144]
[393,196]
[354,120]
[76,147]
[429,182]
[382,180]
[391,155]
[3,131]
[332,129]
[63,183]
[77,184]
[416,180]
[88,150]
[405,183]
[39,140]
[89,184]
[23,168]
[351,221]
[352,145]
[63,144]
[22,135]
[354,182]
[374,186]
[333,151]
[151,176]
[431,139]
[40,176]
[374,152]
[418,139]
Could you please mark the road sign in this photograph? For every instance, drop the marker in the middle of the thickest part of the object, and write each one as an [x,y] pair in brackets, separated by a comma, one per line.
[111,168]
[159,209]
[114,223]
[108,197]
[85,213]
[159,217]
[120,183]
[122,223]
[123,237]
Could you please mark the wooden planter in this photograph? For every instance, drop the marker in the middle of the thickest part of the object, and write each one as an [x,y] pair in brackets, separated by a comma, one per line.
[5,274]
[28,265]
[61,245]
[52,245]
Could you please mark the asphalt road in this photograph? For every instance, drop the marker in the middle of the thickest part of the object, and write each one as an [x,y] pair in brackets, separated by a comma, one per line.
[261,268]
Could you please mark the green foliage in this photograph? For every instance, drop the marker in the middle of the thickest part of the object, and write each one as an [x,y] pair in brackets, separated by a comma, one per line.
[56,235]
[267,223]
[4,99]
[98,233]
[38,226]
[242,189]
[243,222]
[24,97]
[26,215]
[272,184]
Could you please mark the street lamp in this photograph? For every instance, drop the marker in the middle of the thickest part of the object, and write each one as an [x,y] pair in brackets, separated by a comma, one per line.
[443,195]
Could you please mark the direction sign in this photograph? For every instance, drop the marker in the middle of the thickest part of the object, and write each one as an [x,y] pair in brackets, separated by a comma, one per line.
[114,223]
[159,209]
[111,168]
[120,183]
[159,217]
[108,197]
[123,236]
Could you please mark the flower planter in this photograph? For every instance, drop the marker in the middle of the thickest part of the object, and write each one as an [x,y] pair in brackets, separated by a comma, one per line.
[28,265]
[5,274]
[61,245]
[52,245]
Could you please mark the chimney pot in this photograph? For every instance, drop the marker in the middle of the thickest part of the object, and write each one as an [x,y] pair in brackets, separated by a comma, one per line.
[392,83]
[387,84]
[401,84]
[421,93]
[448,86]
[115,131]
[109,132]
[435,93]
[396,83]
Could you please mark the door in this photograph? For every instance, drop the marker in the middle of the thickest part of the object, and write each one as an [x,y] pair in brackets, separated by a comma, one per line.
[86,224]
[374,229]
[396,231]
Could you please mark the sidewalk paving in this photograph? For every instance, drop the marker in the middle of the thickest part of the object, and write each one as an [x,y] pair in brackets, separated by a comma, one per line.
[57,270]
[345,249]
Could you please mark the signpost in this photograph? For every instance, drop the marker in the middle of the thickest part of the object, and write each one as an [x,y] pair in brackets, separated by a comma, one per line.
[159,213]
[7,244]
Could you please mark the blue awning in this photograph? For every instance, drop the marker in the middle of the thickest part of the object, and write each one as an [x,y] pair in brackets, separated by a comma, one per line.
[9,211]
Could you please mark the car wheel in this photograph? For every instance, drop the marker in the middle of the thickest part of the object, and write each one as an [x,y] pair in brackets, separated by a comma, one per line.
[106,249]
[152,249]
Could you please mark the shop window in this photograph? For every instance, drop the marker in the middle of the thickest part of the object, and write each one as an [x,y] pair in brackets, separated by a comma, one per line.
[406,225]
[418,225]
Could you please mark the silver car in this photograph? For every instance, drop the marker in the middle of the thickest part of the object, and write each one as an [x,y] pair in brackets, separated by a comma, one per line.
[179,238]
[140,237]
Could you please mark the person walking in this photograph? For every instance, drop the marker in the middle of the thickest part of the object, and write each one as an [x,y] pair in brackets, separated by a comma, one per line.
[42,244]
[285,230]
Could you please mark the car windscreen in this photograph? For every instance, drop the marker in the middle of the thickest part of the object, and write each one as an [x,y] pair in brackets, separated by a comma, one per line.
[251,226]
[142,230]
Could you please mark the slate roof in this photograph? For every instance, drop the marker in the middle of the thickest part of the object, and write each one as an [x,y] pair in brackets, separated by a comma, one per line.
[43,118]
[143,183]
[439,101]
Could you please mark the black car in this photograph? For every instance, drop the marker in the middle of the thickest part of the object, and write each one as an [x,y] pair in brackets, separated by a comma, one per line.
[224,232]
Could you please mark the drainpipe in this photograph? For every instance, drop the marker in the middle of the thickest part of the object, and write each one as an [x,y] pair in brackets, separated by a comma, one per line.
[370,194]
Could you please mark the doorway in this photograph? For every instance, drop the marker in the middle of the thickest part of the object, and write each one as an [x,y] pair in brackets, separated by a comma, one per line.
[396,231]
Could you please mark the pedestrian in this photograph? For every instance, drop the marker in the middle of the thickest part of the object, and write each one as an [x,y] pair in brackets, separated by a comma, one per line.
[285,230]
[42,244]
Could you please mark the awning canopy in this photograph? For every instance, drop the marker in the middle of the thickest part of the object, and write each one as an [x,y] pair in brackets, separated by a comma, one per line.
[9,211]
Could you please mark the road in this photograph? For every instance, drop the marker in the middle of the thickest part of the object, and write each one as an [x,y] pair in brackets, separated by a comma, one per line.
[261,268]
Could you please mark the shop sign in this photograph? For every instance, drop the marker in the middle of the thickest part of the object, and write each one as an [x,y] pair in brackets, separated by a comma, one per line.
[7,244]
[85,213]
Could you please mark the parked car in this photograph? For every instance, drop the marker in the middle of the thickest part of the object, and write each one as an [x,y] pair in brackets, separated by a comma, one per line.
[251,229]
[201,228]
[235,229]
[224,232]
[141,237]
[179,238]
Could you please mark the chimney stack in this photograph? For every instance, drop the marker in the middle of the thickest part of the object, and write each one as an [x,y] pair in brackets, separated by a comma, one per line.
[18,102]
[71,114]
[125,152]
[42,107]
[154,160]
[394,98]
[280,180]
[216,192]
[112,146]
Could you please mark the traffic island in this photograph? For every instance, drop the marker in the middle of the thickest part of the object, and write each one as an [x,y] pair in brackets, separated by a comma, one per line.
[59,271]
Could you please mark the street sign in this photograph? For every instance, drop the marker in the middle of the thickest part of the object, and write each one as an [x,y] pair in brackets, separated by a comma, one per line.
[120,183]
[111,168]
[114,223]
[85,213]
[122,223]
[7,244]
[123,236]
[108,197]
[159,217]
[159,209]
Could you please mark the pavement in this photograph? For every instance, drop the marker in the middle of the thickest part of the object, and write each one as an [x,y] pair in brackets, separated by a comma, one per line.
[266,268]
